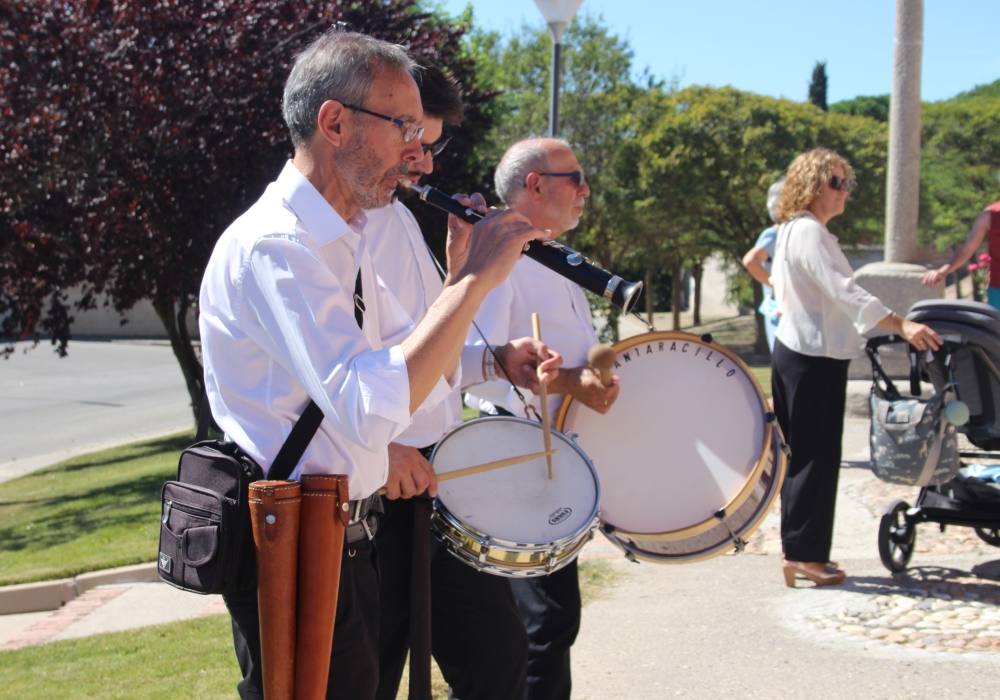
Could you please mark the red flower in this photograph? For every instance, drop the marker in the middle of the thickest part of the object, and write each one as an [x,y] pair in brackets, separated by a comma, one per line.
[972,267]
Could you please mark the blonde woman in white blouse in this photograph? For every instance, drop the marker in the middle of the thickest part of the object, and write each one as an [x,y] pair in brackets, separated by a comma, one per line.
[823,314]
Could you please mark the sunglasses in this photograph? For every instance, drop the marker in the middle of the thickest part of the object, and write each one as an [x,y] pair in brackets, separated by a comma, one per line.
[842,183]
[577,176]
[435,148]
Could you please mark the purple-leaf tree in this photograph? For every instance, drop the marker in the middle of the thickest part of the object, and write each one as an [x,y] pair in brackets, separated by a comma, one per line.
[132,132]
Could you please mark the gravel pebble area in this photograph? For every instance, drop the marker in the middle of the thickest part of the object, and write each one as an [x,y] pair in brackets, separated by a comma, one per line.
[928,607]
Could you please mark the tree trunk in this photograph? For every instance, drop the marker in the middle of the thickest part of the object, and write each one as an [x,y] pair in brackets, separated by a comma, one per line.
[174,318]
[647,286]
[675,294]
[697,272]
[760,342]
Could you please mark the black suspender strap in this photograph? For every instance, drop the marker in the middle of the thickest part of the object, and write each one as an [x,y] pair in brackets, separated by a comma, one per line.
[308,423]
[359,301]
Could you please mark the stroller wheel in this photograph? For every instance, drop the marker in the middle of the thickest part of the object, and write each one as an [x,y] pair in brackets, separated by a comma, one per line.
[989,535]
[896,537]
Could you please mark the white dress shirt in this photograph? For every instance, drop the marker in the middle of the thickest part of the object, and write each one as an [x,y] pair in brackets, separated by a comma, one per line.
[823,310]
[277,327]
[404,265]
[567,327]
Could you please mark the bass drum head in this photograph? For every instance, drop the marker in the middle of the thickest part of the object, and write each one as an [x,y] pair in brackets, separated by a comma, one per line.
[516,504]
[686,444]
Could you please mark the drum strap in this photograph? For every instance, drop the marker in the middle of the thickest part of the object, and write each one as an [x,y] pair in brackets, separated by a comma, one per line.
[420,596]
[420,601]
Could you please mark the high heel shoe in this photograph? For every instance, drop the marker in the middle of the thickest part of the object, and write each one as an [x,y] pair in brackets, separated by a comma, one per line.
[827,576]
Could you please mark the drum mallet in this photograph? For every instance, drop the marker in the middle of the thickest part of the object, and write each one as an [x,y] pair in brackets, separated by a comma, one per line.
[602,359]
[536,328]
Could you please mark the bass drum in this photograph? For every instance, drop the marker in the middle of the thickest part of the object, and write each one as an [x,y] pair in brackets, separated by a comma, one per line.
[689,457]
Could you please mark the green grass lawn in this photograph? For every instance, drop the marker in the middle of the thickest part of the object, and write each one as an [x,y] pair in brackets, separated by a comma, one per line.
[187,659]
[190,659]
[98,511]
[93,512]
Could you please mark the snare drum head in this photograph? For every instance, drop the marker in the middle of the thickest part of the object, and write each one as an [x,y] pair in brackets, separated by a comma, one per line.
[684,439]
[516,503]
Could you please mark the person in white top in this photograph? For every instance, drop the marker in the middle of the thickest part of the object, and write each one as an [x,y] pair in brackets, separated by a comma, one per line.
[823,314]
[542,179]
[475,630]
[277,310]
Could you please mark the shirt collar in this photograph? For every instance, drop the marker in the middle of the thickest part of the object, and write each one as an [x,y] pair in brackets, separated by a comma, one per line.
[318,217]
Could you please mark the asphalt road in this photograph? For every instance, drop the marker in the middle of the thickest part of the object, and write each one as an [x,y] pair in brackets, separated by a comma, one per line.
[103,393]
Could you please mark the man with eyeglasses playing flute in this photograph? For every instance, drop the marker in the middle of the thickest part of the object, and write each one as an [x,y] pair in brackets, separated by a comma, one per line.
[542,179]
[477,639]
[282,320]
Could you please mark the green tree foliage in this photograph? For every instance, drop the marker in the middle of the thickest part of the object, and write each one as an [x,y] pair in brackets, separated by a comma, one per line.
[960,166]
[873,106]
[597,93]
[817,85]
[709,155]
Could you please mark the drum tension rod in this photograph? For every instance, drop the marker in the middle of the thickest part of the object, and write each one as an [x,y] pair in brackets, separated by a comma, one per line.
[738,542]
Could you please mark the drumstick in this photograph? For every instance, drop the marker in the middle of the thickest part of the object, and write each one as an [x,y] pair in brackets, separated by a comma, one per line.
[601,358]
[487,466]
[536,330]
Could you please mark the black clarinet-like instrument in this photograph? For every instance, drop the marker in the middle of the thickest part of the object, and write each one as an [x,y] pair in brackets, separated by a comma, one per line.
[557,257]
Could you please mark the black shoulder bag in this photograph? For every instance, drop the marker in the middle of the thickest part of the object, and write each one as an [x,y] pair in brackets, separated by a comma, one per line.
[206,544]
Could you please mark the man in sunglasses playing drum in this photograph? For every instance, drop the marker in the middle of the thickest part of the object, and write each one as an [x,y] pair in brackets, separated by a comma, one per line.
[541,179]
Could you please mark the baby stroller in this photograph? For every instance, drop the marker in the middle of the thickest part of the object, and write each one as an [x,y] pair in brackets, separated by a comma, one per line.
[967,364]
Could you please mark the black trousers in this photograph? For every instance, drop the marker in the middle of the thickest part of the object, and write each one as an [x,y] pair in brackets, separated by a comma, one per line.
[477,637]
[549,607]
[354,661]
[550,610]
[809,398]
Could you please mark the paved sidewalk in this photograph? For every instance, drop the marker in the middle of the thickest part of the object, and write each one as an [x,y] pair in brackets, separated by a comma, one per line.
[728,627]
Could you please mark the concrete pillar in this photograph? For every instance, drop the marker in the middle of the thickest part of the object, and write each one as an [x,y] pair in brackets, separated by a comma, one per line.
[903,175]
[896,281]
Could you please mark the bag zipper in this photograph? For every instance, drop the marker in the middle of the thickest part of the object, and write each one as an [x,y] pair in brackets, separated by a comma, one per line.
[169,505]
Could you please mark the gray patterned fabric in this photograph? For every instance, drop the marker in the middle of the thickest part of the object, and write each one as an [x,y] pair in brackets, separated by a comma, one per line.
[911,442]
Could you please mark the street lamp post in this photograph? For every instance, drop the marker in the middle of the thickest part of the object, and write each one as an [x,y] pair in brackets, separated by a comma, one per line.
[557,14]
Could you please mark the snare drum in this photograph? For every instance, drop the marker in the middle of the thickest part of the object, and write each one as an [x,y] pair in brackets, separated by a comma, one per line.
[689,457]
[514,521]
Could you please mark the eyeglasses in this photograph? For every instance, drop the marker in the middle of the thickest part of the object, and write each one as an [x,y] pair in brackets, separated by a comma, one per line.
[411,130]
[842,183]
[577,176]
[435,148]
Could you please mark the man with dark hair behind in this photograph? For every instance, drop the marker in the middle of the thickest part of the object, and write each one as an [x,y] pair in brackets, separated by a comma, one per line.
[477,635]
[282,320]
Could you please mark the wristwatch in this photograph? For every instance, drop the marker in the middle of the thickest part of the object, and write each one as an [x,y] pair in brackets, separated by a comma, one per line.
[489,364]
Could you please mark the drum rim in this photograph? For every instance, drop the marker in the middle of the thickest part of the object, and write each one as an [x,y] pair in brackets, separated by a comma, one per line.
[748,528]
[456,523]
[744,493]
[752,525]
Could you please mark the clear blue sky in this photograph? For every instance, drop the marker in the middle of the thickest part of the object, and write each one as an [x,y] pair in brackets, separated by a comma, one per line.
[770,46]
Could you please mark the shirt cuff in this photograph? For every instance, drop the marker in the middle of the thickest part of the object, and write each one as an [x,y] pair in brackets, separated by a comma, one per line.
[385,384]
[869,315]
[472,364]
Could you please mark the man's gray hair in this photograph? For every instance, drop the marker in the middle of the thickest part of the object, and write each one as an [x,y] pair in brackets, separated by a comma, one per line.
[773,193]
[337,66]
[529,155]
